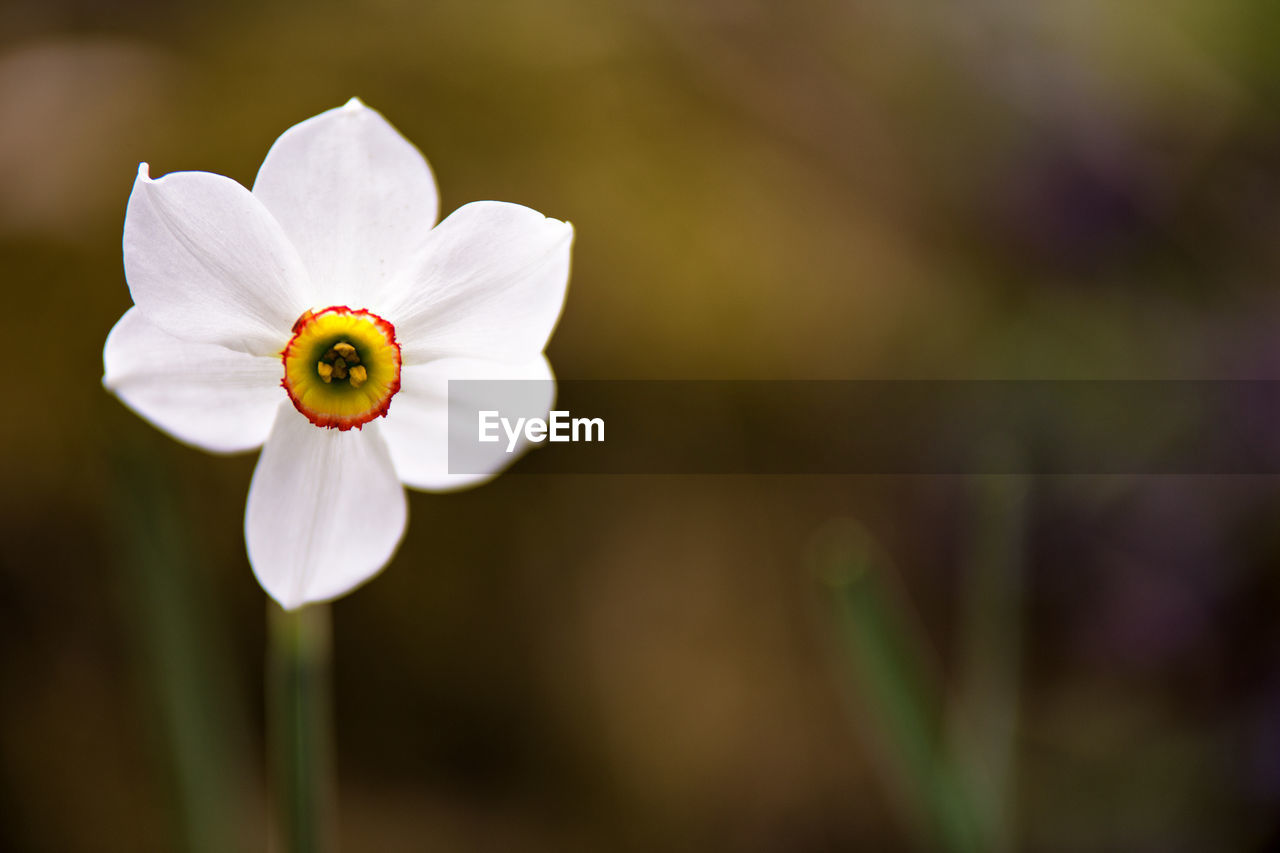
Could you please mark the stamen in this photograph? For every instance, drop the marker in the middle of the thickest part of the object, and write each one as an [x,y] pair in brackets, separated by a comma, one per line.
[359,376]
[337,362]
[346,352]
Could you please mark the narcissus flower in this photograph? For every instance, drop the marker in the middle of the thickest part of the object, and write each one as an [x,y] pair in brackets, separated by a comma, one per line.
[322,314]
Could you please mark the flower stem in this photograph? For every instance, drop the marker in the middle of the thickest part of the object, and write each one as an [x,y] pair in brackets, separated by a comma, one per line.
[300,729]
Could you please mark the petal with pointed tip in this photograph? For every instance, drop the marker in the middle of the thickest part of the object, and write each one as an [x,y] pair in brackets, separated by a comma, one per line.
[205,261]
[489,283]
[356,198]
[214,398]
[325,512]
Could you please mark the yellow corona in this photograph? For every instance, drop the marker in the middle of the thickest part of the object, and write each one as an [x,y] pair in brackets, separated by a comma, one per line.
[341,367]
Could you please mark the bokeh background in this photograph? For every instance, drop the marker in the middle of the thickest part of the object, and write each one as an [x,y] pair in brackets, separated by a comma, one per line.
[816,189]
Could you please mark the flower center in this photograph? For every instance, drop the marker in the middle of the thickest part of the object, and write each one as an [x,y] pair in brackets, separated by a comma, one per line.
[342,361]
[341,367]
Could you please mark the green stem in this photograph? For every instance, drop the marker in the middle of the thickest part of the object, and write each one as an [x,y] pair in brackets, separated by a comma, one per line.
[300,729]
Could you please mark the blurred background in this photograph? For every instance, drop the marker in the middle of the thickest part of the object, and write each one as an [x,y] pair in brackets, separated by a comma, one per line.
[818,189]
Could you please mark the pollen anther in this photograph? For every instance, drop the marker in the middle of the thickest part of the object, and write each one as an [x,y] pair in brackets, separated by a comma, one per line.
[344,351]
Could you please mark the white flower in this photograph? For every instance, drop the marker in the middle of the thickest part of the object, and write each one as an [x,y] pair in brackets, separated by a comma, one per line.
[322,314]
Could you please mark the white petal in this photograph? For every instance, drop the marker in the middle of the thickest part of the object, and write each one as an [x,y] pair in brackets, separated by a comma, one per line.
[326,510]
[206,262]
[418,424]
[217,399]
[489,283]
[354,196]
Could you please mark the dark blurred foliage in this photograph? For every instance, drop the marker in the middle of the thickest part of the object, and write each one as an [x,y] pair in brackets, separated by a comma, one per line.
[760,190]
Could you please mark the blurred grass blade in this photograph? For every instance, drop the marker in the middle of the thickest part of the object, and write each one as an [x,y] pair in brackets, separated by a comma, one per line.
[181,654]
[894,690]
